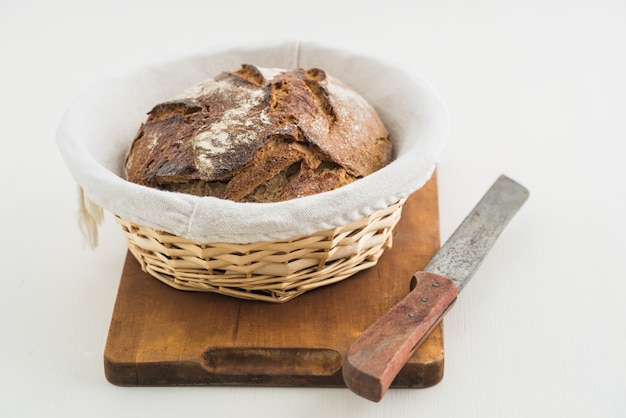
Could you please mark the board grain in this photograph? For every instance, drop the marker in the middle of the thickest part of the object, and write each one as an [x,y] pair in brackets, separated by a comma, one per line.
[160,336]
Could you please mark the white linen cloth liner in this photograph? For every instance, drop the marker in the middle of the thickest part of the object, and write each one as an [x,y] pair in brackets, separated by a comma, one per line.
[98,127]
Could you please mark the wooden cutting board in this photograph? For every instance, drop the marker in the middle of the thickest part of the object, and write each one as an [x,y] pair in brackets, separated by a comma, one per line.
[162,336]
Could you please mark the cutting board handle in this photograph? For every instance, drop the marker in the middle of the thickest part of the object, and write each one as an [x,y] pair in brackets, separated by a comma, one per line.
[281,361]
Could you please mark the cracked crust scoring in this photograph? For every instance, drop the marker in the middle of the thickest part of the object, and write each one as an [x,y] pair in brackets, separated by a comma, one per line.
[259,135]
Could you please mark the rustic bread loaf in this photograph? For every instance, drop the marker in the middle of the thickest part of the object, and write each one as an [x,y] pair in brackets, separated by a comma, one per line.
[259,135]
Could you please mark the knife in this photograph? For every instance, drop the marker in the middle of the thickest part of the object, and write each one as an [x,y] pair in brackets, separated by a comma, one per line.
[375,358]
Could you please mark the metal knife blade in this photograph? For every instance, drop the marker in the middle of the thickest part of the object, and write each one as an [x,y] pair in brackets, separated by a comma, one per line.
[375,358]
[461,255]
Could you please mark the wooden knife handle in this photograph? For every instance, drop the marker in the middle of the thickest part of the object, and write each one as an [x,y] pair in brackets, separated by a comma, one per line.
[376,357]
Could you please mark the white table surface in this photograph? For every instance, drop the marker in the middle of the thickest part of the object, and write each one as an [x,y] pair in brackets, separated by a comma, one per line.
[536,90]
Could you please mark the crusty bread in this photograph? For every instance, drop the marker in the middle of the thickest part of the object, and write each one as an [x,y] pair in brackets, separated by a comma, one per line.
[259,135]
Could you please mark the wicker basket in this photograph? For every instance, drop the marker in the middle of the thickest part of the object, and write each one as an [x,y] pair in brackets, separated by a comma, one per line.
[252,252]
[274,271]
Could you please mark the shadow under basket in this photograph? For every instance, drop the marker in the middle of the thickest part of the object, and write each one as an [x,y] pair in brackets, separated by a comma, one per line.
[273,271]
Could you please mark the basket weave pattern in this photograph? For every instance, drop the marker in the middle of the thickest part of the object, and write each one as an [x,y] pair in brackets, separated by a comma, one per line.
[274,271]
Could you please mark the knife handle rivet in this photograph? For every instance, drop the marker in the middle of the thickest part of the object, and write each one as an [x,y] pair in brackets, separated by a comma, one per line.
[424,299]
[436,284]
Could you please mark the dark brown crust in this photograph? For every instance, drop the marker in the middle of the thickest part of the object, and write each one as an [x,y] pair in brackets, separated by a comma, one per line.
[293,133]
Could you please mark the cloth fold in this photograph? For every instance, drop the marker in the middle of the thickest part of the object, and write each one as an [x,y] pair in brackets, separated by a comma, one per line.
[98,127]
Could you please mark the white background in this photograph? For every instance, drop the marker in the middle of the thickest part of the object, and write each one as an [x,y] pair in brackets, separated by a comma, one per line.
[536,90]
